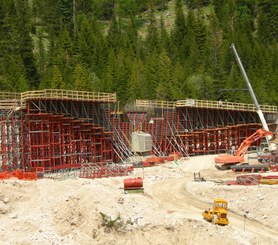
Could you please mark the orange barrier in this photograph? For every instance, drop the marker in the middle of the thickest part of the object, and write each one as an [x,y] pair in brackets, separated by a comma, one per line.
[18,174]
[5,175]
[154,159]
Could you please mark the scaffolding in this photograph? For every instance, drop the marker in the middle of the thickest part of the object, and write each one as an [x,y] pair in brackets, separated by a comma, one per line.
[201,126]
[56,130]
[52,130]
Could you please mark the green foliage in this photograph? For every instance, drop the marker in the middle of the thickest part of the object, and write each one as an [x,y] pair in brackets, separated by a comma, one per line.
[141,49]
[57,80]
[117,224]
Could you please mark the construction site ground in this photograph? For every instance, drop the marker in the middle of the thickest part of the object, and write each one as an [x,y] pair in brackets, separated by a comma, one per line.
[70,210]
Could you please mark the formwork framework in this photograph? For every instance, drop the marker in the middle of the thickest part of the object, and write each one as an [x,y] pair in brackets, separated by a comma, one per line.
[61,129]
[202,127]
[55,129]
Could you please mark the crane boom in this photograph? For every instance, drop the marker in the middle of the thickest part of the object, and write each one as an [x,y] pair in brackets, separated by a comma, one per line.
[259,111]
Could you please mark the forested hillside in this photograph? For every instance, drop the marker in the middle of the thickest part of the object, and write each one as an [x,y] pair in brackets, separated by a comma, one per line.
[151,49]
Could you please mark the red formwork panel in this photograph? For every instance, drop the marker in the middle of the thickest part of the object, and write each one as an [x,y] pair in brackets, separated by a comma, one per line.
[39,140]
[217,140]
[4,149]
[55,127]
[59,142]
[107,146]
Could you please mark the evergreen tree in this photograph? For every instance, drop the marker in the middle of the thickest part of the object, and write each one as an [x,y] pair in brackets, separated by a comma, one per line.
[214,59]
[152,38]
[57,80]
[179,34]
[108,81]
[114,34]
[164,38]
[25,42]
[164,76]
[268,21]
[80,79]
[135,81]
[150,78]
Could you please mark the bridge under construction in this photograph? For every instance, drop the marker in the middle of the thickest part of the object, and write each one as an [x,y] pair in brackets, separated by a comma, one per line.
[52,129]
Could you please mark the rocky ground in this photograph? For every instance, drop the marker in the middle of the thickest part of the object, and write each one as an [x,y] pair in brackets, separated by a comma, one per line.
[97,211]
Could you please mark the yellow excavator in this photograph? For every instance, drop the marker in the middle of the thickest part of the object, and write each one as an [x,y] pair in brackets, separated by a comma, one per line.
[218,215]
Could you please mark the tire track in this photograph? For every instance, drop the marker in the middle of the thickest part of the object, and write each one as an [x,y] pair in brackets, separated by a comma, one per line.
[172,196]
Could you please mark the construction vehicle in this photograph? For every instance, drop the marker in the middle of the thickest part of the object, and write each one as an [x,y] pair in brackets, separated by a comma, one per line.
[225,161]
[270,146]
[218,215]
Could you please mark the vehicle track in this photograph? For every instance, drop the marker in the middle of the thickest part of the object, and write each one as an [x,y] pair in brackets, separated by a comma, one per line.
[172,195]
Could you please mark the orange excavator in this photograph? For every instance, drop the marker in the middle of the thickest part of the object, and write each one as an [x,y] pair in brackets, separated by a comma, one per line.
[224,161]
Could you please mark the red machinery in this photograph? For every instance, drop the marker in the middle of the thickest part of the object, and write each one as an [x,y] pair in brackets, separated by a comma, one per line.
[224,161]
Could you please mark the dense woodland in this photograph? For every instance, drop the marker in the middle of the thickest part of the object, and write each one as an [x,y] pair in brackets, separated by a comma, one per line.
[151,49]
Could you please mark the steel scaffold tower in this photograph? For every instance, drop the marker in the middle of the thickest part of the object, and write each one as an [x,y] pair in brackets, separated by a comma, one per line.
[62,129]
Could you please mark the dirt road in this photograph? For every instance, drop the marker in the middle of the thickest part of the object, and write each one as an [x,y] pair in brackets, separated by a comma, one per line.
[173,196]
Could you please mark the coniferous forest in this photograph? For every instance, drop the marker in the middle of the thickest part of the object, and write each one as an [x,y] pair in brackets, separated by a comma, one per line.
[151,49]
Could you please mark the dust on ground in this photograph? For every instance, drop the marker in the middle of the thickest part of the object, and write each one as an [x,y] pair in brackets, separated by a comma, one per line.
[96,211]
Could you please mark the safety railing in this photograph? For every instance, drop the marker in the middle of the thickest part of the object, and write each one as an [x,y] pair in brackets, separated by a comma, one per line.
[9,104]
[69,94]
[225,105]
[5,95]
[155,104]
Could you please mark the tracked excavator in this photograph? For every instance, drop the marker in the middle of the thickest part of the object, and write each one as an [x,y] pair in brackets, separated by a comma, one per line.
[224,161]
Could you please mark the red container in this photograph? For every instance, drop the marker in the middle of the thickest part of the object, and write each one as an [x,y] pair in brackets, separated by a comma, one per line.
[133,183]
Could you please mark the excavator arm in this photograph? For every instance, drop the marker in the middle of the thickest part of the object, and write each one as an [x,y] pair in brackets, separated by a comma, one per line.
[259,134]
[224,160]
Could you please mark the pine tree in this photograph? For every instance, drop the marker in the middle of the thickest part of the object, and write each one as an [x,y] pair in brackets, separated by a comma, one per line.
[179,34]
[164,38]
[108,80]
[135,81]
[150,76]
[25,41]
[57,80]
[180,90]
[152,38]
[268,21]
[113,38]
[80,79]
[214,58]
[164,76]
[15,74]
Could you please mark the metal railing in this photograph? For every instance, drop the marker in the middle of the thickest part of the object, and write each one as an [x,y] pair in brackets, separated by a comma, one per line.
[12,100]
[156,104]
[223,105]
[69,94]
[5,95]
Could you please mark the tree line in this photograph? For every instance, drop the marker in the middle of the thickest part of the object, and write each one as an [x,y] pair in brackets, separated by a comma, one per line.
[152,49]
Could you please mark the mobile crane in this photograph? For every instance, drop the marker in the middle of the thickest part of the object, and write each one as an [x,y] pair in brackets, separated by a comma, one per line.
[225,160]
